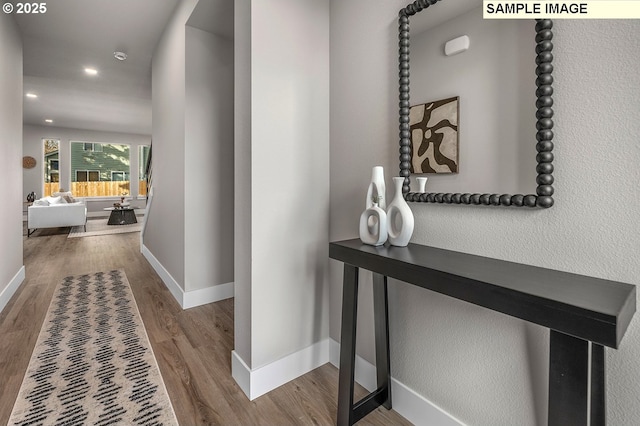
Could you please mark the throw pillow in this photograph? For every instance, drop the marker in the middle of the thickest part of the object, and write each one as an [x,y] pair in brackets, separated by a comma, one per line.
[68,197]
[54,200]
[41,202]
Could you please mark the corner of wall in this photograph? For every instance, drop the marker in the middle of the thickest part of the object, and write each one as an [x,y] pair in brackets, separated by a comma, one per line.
[259,381]
[188,299]
[11,288]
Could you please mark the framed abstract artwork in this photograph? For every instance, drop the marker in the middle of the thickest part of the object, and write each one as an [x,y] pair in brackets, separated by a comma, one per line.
[434,136]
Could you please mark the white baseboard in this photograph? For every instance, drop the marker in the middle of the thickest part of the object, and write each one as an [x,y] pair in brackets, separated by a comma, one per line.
[11,288]
[165,276]
[241,373]
[255,383]
[189,299]
[406,402]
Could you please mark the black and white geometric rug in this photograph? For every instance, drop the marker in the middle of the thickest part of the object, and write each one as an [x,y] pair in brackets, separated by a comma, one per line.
[93,364]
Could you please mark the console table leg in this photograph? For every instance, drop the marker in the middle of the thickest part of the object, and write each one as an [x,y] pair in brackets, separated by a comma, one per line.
[347,346]
[568,380]
[598,390]
[381,319]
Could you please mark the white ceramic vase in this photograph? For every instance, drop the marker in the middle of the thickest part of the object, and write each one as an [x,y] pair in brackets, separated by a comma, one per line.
[376,189]
[373,226]
[399,217]
[422,184]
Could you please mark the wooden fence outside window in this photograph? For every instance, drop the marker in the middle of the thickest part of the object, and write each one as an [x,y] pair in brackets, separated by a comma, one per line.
[97,189]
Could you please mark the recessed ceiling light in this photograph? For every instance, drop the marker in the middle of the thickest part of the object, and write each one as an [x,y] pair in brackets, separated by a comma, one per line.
[32,95]
[91,71]
[121,56]
[48,120]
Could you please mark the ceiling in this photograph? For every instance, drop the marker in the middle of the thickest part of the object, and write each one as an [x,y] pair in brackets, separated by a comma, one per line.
[74,34]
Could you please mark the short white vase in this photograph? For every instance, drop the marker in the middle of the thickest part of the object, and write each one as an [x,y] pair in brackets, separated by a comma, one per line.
[422,184]
[376,189]
[399,217]
[373,226]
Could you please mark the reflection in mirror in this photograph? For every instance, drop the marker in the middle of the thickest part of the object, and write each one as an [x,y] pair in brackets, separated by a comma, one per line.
[51,166]
[495,80]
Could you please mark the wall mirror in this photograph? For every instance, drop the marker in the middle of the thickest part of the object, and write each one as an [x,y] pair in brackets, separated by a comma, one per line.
[503,123]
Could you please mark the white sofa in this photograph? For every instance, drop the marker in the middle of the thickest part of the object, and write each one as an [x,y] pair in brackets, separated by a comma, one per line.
[55,212]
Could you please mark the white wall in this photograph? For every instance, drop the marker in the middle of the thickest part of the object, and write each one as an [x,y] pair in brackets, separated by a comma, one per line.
[242,180]
[189,234]
[209,160]
[287,194]
[290,173]
[11,266]
[164,234]
[32,145]
[482,367]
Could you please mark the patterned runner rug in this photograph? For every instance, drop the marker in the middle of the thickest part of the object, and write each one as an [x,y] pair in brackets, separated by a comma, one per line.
[93,364]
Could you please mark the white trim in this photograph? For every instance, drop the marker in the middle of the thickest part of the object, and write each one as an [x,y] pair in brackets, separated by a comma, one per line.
[165,276]
[406,402]
[255,383]
[191,299]
[417,409]
[11,288]
[241,373]
[188,299]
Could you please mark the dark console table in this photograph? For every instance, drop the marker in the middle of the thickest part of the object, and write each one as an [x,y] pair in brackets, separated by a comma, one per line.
[584,315]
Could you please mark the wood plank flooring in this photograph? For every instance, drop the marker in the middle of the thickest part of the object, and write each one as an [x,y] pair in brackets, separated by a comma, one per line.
[193,347]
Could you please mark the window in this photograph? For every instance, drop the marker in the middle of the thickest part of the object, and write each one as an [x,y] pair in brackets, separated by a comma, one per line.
[87,176]
[99,169]
[51,166]
[119,176]
[92,147]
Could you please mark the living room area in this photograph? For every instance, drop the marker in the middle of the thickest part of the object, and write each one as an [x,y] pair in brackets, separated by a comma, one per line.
[107,182]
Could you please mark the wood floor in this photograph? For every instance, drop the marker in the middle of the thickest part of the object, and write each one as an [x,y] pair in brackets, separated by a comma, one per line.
[193,347]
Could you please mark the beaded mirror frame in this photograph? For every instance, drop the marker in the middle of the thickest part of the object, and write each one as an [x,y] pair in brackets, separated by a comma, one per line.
[544,82]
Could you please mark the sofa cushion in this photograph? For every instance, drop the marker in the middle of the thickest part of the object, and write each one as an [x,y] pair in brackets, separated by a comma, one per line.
[41,202]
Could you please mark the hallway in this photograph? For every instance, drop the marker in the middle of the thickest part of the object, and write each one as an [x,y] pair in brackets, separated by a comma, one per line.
[192,347]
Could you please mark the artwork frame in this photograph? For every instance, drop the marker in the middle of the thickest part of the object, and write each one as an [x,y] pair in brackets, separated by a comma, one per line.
[435,136]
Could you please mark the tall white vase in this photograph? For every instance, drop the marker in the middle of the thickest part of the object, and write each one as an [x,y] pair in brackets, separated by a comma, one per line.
[373,226]
[377,189]
[399,217]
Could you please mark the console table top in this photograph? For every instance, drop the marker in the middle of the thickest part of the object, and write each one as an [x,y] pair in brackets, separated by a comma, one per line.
[589,308]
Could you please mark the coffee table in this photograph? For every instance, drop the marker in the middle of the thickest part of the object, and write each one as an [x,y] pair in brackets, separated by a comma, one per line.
[121,216]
